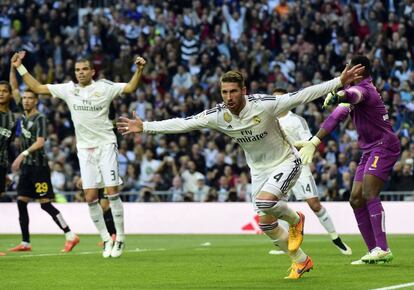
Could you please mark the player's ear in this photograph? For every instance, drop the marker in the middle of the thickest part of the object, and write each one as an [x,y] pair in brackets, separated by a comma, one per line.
[244,90]
[93,72]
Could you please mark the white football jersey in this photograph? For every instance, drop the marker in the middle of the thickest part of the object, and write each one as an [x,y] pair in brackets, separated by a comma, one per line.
[296,129]
[255,129]
[89,107]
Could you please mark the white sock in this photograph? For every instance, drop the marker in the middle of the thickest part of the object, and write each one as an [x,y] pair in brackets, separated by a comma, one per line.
[278,209]
[26,244]
[298,257]
[96,214]
[326,222]
[117,209]
[70,236]
[279,237]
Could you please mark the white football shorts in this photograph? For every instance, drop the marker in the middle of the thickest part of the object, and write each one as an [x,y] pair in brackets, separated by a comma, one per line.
[99,166]
[304,188]
[277,180]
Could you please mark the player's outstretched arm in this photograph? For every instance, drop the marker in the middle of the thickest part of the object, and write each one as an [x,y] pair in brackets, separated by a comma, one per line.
[132,85]
[30,81]
[171,126]
[13,82]
[292,100]
[128,126]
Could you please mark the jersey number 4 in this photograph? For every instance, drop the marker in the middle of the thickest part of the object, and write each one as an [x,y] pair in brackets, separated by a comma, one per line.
[277,177]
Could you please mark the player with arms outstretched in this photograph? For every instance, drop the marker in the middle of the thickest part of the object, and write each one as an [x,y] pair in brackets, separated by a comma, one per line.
[380,150]
[89,103]
[250,120]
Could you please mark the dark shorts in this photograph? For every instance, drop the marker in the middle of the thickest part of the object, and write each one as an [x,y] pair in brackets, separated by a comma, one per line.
[378,162]
[3,173]
[34,182]
[102,194]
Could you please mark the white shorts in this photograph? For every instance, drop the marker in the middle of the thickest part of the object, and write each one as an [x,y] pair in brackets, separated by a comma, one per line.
[304,188]
[277,181]
[99,166]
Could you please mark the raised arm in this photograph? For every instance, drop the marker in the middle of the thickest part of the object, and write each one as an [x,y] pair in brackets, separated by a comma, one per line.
[171,126]
[14,84]
[29,80]
[132,85]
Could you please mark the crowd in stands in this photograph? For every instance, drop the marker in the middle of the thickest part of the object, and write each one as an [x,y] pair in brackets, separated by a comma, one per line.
[188,45]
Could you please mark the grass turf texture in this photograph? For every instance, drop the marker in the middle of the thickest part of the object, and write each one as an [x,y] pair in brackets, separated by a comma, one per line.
[180,262]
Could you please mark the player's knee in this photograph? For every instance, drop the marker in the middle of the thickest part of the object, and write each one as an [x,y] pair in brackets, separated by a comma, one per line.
[267,227]
[356,201]
[369,194]
[272,207]
[49,208]
[315,205]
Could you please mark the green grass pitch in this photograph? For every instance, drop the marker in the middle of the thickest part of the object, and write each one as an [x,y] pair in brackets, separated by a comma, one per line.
[185,262]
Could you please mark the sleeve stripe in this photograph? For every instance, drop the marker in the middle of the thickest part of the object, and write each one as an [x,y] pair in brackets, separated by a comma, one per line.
[107,82]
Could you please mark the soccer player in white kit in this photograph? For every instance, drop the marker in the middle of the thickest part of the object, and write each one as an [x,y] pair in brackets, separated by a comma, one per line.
[250,120]
[88,102]
[296,129]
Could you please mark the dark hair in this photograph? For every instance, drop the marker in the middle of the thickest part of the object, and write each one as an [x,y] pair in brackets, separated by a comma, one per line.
[30,91]
[7,84]
[85,60]
[364,61]
[280,91]
[233,76]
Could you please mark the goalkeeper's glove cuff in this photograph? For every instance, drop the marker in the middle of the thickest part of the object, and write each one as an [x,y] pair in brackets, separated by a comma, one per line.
[315,141]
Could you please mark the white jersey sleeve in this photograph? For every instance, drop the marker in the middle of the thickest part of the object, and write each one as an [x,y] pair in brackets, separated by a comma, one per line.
[112,90]
[205,119]
[61,91]
[282,103]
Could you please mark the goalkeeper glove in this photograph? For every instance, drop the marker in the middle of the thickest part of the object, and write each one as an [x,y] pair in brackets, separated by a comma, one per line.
[307,149]
[333,98]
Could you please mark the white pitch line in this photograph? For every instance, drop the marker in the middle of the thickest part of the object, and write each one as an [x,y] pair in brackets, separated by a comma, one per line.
[399,286]
[85,253]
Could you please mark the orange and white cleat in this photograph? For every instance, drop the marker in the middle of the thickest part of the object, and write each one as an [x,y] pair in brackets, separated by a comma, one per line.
[298,269]
[70,244]
[21,248]
[2,254]
[296,234]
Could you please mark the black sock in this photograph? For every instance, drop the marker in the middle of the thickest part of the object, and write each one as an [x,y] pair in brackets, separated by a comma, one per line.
[24,220]
[109,221]
[339,243]
[56,215]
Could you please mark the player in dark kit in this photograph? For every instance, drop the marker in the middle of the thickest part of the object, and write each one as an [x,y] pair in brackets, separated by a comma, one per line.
[7,131]
[380,150]
[34,181]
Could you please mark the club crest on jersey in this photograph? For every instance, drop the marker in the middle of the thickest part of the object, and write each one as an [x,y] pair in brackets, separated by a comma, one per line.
[227,117]
[256,120]
[97,94]
[26,133]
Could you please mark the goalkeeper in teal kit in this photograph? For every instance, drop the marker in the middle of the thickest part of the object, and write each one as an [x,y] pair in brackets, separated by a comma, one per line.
[380,150]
